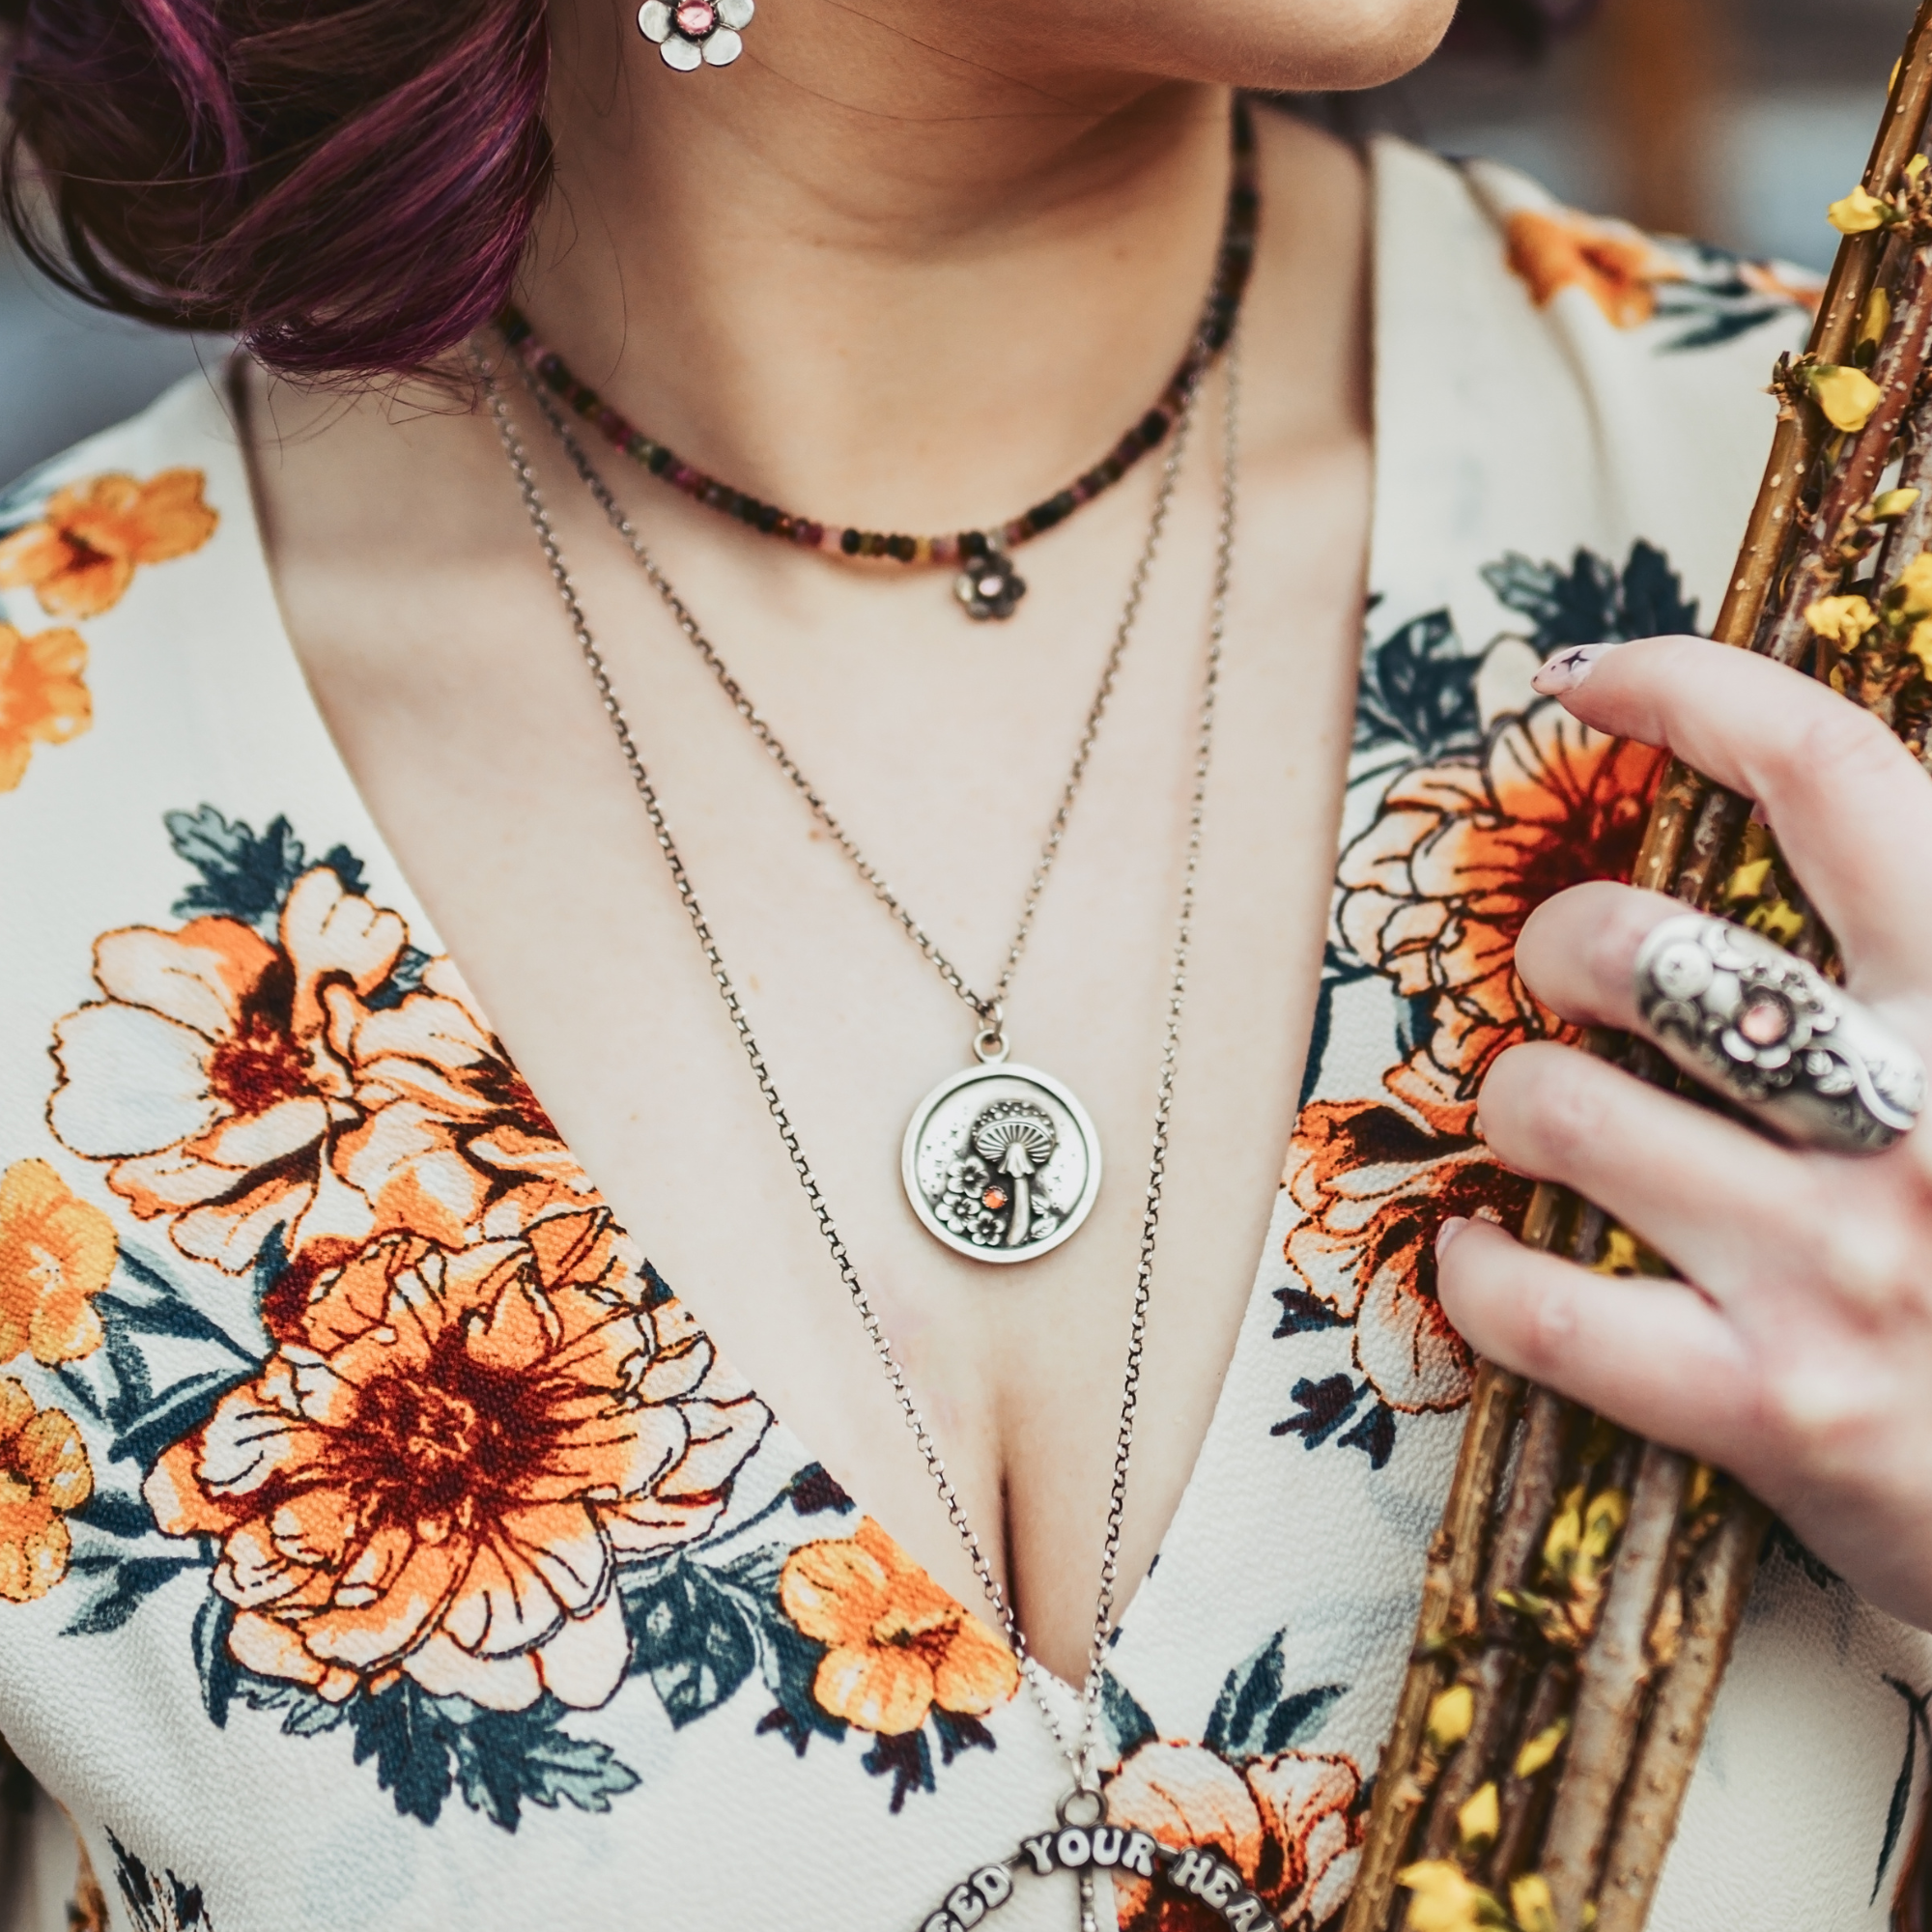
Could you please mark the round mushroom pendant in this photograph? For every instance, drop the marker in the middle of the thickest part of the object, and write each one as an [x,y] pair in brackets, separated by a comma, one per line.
[1001,1162]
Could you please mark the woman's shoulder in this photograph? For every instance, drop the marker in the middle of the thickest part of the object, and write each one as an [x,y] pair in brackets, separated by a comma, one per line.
[1550,383]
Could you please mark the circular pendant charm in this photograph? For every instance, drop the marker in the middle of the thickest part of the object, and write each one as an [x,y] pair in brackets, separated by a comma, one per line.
[1001,1162]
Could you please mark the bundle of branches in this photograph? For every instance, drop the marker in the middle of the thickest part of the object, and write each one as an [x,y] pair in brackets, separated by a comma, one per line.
[1585,1587]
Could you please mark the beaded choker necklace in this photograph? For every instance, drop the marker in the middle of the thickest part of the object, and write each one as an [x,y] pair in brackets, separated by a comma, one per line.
[986,584]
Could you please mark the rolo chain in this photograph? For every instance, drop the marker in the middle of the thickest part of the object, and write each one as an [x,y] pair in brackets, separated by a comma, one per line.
[989,1008]
[1081,1751]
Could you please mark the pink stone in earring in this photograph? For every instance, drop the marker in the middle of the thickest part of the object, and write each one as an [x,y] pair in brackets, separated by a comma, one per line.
[695,33]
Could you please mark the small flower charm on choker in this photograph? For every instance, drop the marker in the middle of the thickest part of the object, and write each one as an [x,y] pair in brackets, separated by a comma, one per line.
[695,33]
[988,586]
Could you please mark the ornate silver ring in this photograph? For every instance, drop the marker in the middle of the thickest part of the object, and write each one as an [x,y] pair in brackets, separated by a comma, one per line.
[1772,1033]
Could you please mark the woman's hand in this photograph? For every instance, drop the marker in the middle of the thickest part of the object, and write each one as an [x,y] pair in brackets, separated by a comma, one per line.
[1799,1357]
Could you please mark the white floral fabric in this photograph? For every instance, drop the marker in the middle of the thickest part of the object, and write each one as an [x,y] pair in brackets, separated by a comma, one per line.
[384,1543]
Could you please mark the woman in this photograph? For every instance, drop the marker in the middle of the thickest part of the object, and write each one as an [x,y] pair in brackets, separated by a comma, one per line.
[386,1540]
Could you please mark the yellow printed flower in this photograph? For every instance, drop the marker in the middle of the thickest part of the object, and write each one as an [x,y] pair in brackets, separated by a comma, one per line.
[56,1253]
[43,696]
[44,1475]
[898,1644]
[81,556]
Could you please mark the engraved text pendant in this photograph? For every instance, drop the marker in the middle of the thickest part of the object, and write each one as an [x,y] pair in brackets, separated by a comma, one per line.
[1001,1162]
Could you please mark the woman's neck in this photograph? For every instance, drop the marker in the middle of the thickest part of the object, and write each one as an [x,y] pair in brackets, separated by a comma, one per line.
[864,273]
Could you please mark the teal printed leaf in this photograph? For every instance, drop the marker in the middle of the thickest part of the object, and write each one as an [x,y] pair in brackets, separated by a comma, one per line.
[1124,1717]
[113,1513]
[1298,1717]
[1418,689]
[1253,1716]
[426,1750]
[959,1731]
[133,1581]
[692,1639]
[152,1404]
[215,1662]
[159,1902]
[1916,1722]
[1593,601]
[791,1662]
[505,1758]
[1303,1314]
[245,875]
[907,1760]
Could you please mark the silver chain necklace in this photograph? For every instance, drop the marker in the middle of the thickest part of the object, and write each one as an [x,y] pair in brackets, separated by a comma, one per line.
[1080,1841]
[1000,1162]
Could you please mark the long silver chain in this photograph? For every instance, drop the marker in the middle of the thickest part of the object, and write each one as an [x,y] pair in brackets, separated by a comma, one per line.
[1082,1751]
[989,1008]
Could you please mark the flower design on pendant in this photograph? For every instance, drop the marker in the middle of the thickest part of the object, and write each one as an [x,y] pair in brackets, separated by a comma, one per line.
[695,33]
[990,586]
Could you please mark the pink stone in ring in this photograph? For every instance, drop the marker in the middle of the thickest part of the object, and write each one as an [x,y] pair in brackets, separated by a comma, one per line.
[1765,1022]
[695,19]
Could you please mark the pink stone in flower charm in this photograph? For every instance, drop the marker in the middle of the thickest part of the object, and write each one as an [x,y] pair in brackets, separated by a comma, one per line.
[695,33]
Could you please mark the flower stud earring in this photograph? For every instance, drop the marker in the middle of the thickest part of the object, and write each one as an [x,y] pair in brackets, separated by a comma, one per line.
[695,33]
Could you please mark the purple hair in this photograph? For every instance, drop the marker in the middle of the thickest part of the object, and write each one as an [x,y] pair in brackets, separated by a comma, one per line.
[347,186]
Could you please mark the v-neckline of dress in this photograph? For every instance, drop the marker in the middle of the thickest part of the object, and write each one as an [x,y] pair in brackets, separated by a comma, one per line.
[269,628]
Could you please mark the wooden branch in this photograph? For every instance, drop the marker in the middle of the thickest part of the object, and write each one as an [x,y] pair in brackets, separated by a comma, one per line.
[1615,1668]
[1623,1770]
[1492,1678]
[1455,1562]
[1716,1588]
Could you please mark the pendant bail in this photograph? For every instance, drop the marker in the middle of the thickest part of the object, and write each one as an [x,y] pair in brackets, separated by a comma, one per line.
[989,1044]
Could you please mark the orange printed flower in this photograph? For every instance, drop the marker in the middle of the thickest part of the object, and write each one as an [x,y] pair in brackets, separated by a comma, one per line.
[1617,265]
[435,1472]
[1375,1186]
[81,556]
[1291,1824]
[898,1644]
[44,697]
[455,1145]
[212,1076]
[1796,286]
[1436,892]
[56,1253]
[45,1475]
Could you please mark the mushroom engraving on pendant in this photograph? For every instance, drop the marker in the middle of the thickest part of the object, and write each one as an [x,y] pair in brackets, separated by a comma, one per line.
[1016,1140]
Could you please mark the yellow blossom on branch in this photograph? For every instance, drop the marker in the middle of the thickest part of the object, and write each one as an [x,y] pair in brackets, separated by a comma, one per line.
[1844,621]
[1541,1751]
[1442,1899]
[1848,396]
[1919,644]
[1450,1714]
[1892,504]
[1531,1905]
[1910,596]
[1858,214]
[1480,1819]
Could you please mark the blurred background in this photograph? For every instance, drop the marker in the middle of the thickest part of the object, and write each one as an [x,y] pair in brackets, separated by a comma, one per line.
[1733,119]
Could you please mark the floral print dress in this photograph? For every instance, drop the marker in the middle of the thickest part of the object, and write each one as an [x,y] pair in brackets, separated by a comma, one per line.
[383,1543]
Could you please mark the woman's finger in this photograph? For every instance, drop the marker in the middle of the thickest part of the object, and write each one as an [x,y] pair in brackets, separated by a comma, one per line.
[1577,951]
[1652,1356]
[1851,807]
[1725,1205]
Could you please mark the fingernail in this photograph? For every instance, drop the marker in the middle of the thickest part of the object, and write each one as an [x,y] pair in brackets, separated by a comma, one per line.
[1567,670]
[1448,1232]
